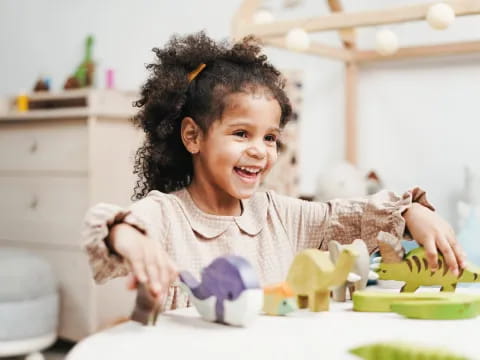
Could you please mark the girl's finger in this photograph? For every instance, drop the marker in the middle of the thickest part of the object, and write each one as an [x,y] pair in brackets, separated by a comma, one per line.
[458,251]
[173,275]
[139,271]
[431,253]
[448,254]
[132,282]
[154,277]
[173,272]
[165,278]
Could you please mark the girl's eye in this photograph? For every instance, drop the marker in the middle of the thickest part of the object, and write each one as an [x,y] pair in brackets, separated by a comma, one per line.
[240,133]
[271,138]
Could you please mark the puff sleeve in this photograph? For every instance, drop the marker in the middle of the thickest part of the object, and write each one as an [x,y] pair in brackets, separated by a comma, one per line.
[146,215]
[314,224]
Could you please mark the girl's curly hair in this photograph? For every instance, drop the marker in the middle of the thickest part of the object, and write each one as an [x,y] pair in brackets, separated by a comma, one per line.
[162,162]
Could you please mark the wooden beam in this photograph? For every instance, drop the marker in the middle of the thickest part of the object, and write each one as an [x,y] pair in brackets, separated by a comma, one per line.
[347,35]
[360,19]
[314,49]
[243,16]
[351,78]
[469,47]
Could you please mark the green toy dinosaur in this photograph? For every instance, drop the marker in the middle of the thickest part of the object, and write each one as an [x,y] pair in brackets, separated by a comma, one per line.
[404,351]
[413,269]
[83,75]
[84,71]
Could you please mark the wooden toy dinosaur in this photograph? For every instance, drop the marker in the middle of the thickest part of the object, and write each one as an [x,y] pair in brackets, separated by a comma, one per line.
[361,267]
[278,299]
[84,73]
[404,351]
[413,268]
[229,291]
[423,305]
[312,275]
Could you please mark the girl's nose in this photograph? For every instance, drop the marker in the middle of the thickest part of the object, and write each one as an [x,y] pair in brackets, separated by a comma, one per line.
[257,151]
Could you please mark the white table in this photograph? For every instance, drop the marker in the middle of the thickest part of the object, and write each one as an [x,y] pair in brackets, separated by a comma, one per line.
[182,334]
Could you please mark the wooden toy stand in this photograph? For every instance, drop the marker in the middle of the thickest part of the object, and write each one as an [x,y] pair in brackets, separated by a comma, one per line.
[273,34]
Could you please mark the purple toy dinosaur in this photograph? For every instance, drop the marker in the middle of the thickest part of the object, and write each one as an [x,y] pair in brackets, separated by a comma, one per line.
[229,291]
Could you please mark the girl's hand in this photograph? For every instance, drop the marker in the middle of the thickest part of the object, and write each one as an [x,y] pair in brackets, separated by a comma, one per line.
[432,232]
[149,263]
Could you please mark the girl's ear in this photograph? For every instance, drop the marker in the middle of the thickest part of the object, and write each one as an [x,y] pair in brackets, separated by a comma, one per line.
[191,133]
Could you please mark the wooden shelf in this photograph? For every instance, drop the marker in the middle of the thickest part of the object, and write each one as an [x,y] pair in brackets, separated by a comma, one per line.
[76,103]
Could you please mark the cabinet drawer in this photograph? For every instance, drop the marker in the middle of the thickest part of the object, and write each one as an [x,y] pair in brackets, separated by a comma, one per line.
[42,209]
[44,145]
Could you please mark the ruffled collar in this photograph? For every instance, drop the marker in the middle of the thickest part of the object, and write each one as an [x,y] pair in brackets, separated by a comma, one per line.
[251,221]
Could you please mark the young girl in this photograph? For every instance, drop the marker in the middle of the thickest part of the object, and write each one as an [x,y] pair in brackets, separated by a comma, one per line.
[212,115]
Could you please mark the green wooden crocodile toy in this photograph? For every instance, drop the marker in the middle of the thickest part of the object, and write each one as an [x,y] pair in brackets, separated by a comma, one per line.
[413,269]
[404,351]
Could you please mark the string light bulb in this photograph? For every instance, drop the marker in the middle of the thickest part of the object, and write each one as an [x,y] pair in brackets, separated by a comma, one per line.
[440,16]
[297,39]
[386,42]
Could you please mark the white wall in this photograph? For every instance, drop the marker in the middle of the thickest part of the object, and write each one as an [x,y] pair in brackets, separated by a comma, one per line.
[419,125]
[418,119]
[47,36]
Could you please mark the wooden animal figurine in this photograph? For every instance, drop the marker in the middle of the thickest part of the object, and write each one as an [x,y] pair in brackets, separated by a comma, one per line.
[413,268]
[361,267]
[278,299]
[312,275]
[435,306]
[229,291]
[404,351]
[84,73]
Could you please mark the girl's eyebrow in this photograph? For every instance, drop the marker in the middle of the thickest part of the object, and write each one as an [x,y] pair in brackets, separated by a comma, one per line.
[240,123]
[247,124]
[275,129]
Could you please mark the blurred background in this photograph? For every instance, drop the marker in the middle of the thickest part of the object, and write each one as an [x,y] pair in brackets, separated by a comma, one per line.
[418,119]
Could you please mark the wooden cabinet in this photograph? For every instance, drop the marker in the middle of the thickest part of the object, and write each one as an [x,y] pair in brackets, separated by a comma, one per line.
[71,150]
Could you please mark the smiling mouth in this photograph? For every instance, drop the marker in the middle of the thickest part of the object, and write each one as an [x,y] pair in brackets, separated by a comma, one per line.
[248,173]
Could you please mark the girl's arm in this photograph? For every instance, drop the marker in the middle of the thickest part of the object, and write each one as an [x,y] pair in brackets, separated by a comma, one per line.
[119,241]
[313,224]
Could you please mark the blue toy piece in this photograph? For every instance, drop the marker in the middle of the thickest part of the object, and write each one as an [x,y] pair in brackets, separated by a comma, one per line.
[469,236]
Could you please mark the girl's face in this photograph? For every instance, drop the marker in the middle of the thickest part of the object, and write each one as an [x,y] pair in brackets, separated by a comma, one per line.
[239,149]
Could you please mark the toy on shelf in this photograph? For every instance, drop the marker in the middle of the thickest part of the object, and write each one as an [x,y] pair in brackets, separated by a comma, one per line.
[403,351]
[229,291]
[361,267]
[278,299]
[413,269]
[435,306]
[42,84]
[22,102]
[83,75]
[312,275]
[110,79]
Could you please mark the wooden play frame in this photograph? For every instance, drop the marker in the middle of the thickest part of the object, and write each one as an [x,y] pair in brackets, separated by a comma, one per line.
[273,34]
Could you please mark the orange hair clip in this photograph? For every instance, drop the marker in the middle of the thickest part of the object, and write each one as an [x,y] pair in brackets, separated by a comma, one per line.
[193,74]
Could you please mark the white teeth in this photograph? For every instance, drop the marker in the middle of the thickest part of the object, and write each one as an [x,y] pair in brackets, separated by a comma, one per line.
[250,170]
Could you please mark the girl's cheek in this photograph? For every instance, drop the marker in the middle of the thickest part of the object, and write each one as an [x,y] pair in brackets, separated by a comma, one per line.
[272,157]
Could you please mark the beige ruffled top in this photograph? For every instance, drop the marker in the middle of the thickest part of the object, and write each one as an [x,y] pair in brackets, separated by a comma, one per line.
[270,231]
